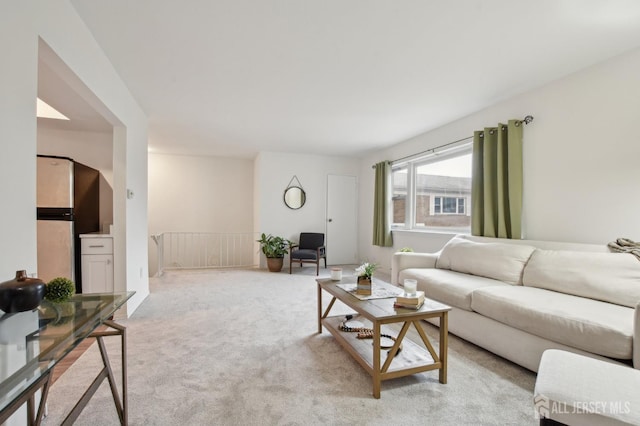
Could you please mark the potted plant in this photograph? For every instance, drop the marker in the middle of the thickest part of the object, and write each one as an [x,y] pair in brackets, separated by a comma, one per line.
[365,273]
[58,293]
[274,249]
[59,290]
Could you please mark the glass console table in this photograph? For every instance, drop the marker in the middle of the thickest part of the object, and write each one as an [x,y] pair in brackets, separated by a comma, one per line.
[32,343]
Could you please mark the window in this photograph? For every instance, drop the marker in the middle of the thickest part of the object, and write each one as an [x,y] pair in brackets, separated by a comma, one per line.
[461,203]
[399,196]
[452,205]
[434,192]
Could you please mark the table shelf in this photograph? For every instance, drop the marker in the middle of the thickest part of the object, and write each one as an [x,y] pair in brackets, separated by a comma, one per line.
[412,359]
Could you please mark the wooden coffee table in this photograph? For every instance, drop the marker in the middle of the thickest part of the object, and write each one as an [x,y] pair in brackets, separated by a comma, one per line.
[413,358]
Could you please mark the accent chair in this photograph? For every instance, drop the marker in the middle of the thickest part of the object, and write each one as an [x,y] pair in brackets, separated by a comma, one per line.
[310,249]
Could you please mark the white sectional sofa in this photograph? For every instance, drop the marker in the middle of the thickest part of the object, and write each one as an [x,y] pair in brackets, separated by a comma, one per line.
[518,298]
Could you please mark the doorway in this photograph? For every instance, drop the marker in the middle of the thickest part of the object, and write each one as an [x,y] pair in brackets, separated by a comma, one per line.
[342,210]
[86,136]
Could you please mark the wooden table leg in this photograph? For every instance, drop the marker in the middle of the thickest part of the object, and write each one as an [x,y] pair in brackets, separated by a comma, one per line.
[319,309]
[376,360]
[444,343]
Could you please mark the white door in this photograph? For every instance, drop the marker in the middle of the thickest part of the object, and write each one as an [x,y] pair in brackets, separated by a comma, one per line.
[342,210]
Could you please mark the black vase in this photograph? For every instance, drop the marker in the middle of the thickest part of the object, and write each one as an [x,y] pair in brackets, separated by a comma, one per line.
[21,293]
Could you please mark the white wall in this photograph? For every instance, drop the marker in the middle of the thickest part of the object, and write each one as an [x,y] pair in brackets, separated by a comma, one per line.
[93,149]
[57,23]
[274,170]
[198,194]
[18,92]
[580,159]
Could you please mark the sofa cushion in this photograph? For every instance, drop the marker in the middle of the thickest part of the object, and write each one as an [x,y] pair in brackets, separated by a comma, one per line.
[602,328]
[452,288]
[610,277]
[500,261]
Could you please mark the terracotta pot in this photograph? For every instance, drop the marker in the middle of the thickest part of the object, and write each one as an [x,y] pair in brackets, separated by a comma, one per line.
[21,293]
[275,263]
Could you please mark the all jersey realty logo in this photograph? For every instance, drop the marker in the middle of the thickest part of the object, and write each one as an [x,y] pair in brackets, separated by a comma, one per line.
[544,408]
[541,406]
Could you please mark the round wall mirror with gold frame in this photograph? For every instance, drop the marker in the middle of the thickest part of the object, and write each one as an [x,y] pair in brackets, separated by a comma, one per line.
[294,197]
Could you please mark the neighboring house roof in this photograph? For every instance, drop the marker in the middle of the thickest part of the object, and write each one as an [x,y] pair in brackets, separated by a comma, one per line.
[434,184]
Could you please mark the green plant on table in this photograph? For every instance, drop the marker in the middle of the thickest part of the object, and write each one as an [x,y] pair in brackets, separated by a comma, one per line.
[366,269]
[59,289]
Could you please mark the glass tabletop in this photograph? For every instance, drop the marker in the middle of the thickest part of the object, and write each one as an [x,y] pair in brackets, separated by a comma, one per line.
[32,343]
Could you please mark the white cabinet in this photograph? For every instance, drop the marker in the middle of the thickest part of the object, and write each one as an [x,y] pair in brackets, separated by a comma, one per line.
[97,263]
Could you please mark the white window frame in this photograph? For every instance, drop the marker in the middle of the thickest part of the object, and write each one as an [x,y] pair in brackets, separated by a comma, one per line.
[457,198]
[407,202]
[411,164]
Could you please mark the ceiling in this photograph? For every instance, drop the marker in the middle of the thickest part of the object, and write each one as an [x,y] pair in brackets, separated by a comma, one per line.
[57,92]
[336,77]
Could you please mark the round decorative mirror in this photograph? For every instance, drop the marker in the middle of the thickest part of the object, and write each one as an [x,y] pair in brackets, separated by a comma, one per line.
[294,197]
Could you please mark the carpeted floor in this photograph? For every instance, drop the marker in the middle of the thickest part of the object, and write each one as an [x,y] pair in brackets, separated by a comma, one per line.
[239,347]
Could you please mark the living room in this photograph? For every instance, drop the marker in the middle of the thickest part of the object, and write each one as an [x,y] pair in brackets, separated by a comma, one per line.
[579,157]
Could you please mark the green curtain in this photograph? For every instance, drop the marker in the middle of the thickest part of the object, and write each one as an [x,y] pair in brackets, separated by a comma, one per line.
[381,223]
[496,188]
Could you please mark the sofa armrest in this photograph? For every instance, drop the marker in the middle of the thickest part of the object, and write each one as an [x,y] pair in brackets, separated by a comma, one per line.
[636,338]
[406,260]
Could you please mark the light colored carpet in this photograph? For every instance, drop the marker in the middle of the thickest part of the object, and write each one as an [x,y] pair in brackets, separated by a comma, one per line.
[239,347]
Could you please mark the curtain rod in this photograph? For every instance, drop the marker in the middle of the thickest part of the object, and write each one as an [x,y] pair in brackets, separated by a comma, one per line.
[526,120]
